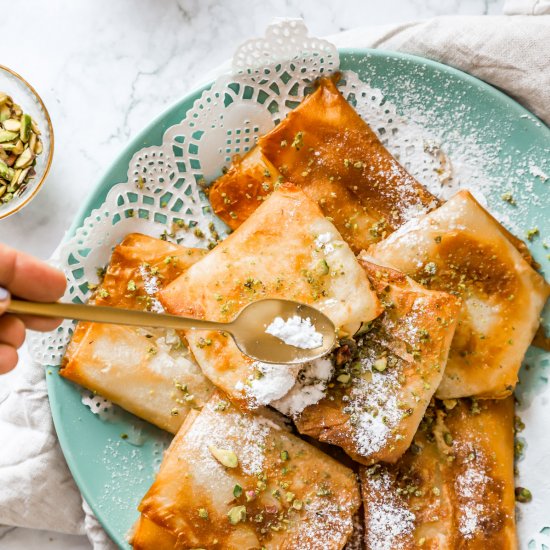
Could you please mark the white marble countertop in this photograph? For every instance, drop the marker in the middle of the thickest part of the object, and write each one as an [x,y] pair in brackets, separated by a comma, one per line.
[105,68]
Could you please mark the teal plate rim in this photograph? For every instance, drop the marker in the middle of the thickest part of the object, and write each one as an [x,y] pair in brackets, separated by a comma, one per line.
[117,173]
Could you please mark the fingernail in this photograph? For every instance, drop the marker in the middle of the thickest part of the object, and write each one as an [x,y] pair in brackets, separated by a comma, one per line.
[4,295]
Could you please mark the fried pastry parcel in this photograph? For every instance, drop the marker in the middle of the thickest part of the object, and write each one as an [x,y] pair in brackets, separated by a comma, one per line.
[381,391]
[148,372]
[454,488]
[286,249]
[460,248]
[331,153]
[233,481]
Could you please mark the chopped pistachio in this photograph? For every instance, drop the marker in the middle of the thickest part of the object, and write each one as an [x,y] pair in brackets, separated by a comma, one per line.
[298,141]
[450,403]
[285,456]
[297,504]
[225,457]
[237,514]
[131,286]
[203,513]
[237,491]
[430,268]
[19,145]
[343,378]
[222,405]
[532,233]
[523,495]
[380,364]
[323,267]
[102,293]
[508,197]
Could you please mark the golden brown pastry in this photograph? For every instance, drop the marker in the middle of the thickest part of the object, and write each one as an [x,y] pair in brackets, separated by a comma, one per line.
[454,488]
[460,248]
[381,391]
[148,372]
[286,249]
[331,153]
[150,536]
[234,481]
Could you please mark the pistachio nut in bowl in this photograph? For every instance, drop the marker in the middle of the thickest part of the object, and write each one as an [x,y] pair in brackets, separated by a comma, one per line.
[26,142]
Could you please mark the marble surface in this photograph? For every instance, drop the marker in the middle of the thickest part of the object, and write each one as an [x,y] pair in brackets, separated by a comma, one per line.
[105,68]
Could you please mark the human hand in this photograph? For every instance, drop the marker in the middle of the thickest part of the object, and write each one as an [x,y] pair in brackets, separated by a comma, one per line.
[30,279]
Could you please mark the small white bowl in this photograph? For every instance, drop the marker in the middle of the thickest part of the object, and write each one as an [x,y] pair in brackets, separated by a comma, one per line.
[25,95]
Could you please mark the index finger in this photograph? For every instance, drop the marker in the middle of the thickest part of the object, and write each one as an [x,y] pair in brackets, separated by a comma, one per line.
[29,278]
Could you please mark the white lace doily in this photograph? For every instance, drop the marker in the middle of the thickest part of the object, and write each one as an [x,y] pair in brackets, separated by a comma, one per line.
[269,77]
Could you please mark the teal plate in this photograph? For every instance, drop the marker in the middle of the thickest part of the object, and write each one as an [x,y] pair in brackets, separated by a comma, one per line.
[113,474]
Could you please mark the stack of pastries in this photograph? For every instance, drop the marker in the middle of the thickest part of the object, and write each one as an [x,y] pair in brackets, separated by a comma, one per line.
[403,437]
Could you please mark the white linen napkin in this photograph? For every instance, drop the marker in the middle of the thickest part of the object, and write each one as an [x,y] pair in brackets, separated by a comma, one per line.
[510,52]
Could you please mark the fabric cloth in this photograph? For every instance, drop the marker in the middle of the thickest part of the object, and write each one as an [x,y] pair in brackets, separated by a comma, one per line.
[511,52]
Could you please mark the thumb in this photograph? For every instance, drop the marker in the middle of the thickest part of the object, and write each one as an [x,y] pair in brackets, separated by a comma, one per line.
[4,300]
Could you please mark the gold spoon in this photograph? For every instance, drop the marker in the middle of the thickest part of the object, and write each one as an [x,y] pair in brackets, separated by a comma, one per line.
[247,329]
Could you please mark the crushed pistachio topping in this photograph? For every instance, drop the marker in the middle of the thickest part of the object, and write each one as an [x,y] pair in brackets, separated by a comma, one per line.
[298,141]
[285,456]
[380,364]
[237,514]
[131,286]
[225,457]
[532,233]
[222,405]
[203,513]
[450,404]
[377,230]
[430,268]
[343,378]
[203,342]
[237,491]
[508,197]
[523,495]
[102,293]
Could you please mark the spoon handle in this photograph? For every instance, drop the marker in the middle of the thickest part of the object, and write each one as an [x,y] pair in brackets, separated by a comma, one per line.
[117,316]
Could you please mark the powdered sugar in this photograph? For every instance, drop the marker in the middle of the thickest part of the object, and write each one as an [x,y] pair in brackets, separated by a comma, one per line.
[295,331]
[309,389]
[151,287]
[324,242]
[245,436]
[373,406]
[389,523]
[471,486]
[537,172]
[272,382]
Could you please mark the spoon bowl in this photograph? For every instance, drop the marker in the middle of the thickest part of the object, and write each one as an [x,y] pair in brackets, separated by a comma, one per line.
[248,329]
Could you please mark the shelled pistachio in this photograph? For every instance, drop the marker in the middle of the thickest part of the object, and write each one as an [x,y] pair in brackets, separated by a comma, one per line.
[20,144]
